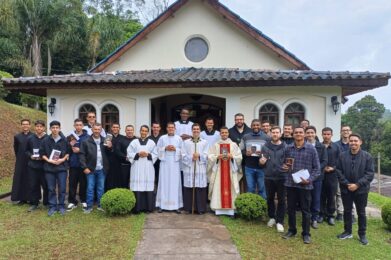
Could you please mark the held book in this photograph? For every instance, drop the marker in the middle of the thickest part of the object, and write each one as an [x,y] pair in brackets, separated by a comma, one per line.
[300,174]
[55,155]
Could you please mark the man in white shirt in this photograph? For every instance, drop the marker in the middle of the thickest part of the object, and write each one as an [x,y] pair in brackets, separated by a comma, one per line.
[183,126]
[210,134]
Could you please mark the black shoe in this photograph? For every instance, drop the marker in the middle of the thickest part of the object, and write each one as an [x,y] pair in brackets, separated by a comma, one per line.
[32,208]
[306,239]
[201,213]
[178,211]
[363,239]
[314,224]
[320,219]
[159,210]
[345,235]
[353,219]
[339,217]
[331,221]
[288,235]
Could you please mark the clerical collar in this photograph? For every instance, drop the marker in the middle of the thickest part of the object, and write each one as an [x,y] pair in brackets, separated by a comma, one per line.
[210,133]
[195,140]
[143,141]
[184,122]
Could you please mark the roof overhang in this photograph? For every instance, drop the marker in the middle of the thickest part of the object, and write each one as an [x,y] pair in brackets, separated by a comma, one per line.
[350,82]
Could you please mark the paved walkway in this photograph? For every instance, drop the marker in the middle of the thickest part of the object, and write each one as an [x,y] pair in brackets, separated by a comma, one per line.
[184,236]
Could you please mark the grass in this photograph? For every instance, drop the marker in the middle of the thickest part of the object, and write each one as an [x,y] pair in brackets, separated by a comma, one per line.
[378,200]
[5,184]
[255,240]
[73,236]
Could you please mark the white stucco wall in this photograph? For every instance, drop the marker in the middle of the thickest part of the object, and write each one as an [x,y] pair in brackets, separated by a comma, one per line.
[229,47]
[135,104]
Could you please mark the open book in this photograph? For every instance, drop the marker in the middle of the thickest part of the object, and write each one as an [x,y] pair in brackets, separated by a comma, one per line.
[300,174]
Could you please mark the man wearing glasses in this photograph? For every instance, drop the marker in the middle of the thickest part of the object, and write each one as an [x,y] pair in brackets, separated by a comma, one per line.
[91,120]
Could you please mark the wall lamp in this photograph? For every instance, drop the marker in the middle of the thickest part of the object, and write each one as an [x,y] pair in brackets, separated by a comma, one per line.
[52,106]
[335,104]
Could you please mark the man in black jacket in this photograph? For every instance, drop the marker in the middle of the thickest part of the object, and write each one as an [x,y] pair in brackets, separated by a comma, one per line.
[36,173]
[355,171]
[273,157]
[95,164]
[55,151]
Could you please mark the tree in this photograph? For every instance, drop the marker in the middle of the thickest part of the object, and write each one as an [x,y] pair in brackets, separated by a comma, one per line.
[3,92]
[363,117]
[149,10]
[384,147]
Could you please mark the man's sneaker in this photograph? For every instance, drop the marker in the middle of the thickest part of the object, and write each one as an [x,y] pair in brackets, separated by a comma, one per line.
[71,206]
[52,211]
[363,239]
[271,222]
[84,205]
[87,210]
[280,228]
[345,235]
[320,219]
[32,208]
[339,217]
[306,239]
[100,209]
[62,211]
[314,224]
[331,221]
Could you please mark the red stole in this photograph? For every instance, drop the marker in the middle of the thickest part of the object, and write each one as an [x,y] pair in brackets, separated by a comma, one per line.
[225,177]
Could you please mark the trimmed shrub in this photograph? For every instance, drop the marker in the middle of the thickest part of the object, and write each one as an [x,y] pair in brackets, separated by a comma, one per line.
[250,206]
[386,214]
[118,201]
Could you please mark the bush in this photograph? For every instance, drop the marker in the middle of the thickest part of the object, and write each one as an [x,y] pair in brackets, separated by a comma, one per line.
[118,201]
[250,206]
[386,214]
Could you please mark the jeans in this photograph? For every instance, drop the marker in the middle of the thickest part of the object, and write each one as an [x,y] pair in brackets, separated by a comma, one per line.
[315,204]
[254,178]
[360,200]
[54,179]
[295,195]
[95,179]
[274,187]
[77,176]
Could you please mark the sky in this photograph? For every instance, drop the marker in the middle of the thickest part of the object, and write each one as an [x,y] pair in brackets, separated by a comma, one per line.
[333,35]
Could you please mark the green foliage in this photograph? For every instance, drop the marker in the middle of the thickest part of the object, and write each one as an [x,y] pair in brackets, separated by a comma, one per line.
[250,206]
[3,92]
[386,214]
[363,117]
[383,146]
[118,201]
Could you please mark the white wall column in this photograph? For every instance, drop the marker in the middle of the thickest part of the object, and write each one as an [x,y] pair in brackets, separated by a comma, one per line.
[232,107]
[143,112]
[333,120]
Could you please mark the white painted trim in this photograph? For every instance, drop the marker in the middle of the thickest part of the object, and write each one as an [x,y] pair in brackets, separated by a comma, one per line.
[270,101]
[296,100]
[85,102]
[111,102]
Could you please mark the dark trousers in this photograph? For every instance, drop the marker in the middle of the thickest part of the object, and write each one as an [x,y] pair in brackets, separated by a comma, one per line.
[36,182]
[77,177]
[56,180]
[199,200]
[329,190]
[125,176]
[274,187]
[315,200]
[302,196]
[360,200]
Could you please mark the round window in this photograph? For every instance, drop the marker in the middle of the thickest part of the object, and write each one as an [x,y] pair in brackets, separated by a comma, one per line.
[196,49]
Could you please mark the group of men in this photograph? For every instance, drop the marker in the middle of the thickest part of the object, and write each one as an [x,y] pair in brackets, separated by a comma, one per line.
[186,167]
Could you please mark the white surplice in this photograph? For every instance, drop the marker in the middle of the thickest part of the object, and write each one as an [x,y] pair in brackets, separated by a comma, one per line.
[188,149]
[169,192]
[183,127]
[215,177]
[142,172]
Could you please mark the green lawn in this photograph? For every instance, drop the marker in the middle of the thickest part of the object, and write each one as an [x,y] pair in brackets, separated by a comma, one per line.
[73,236]
[377,199]
[5,184]
[255,240]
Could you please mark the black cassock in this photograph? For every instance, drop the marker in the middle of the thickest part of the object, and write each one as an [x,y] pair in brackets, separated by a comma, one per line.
[20,183]
[113,177]
[122,152]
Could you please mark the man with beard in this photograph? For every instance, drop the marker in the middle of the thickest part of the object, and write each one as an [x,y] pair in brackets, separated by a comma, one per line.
[225,160]
[210,134]
[36,173]
[20,182]
[121,152]
[113,177]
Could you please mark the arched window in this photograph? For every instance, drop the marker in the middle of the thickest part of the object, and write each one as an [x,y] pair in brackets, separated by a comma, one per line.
[294,113]
[110,115]
[270,113]
[84,110]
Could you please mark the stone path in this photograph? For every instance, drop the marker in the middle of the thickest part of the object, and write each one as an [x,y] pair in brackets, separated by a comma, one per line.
[171,236]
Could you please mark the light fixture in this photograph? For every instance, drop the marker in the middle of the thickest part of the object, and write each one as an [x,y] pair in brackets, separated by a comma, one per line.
[335,104]
[52,106]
